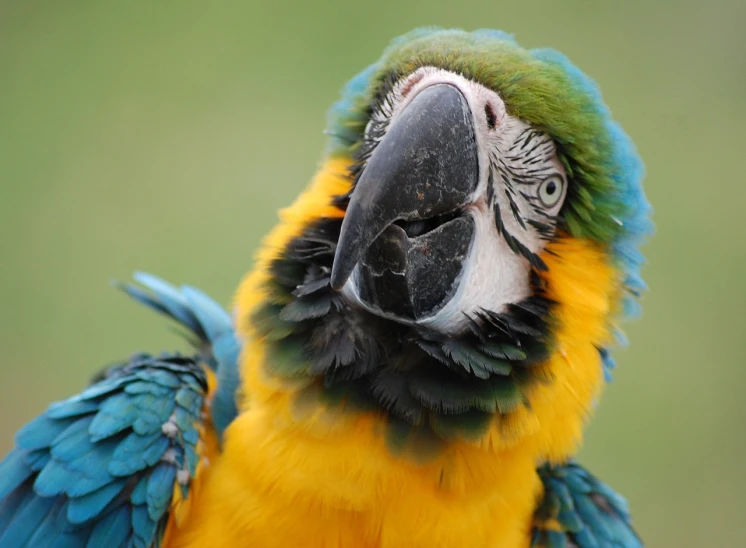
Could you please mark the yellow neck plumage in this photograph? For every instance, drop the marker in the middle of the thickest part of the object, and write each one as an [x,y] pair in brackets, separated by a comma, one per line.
[335,466]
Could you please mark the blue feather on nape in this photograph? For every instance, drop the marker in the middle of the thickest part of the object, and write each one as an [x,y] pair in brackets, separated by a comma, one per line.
[100,469]
[590,513]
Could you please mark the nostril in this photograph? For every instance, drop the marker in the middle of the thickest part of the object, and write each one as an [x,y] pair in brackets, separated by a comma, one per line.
[411,82]
[489,113]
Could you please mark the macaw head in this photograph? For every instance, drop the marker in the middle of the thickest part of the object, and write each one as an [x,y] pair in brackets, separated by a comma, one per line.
[459,263]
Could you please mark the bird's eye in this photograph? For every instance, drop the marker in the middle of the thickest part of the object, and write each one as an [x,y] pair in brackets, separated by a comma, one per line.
[550,191]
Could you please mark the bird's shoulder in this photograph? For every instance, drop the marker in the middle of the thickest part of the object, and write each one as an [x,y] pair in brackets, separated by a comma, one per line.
[578,510]
[101,468]
[109,466]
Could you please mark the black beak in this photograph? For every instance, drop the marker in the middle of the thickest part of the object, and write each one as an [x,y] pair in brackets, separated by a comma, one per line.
[425,166]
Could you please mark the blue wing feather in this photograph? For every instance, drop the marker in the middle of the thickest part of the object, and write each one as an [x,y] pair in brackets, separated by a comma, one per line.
[100,468]
[213,332]
[83,475]
[210,315]
[112,529]
[142,523]
[589,512]
[172,300]
[13,472]
[86,507]
[47,530]
[160,489]
[26,521]
[12,504]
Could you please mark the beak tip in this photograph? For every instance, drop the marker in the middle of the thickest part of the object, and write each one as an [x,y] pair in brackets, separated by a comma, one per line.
[336,285]
[339,276]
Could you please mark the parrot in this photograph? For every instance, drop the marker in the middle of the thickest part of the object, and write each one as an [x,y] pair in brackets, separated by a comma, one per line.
[413,357]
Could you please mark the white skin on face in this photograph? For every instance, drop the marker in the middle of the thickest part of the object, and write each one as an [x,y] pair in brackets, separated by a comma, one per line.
[519,173]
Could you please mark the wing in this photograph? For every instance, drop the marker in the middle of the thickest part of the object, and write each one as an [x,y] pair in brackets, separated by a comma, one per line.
[100,469]
[209,329]
[577,510]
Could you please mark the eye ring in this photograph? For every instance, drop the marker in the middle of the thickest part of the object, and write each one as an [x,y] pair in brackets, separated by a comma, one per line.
[551,191]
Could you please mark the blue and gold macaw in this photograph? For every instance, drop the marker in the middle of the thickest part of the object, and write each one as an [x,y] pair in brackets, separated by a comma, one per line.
[413,357]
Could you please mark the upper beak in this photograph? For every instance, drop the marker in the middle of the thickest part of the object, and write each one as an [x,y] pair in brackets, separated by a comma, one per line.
[425,165]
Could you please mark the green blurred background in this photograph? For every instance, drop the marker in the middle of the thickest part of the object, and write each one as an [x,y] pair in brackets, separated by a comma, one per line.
[164,136]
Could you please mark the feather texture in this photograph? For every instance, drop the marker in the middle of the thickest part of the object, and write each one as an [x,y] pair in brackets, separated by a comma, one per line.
[362,431]
[211,330]
[429,380]
[100,468]
[578,510]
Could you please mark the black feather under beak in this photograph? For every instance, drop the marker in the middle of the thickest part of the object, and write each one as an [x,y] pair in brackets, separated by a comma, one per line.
[403,228]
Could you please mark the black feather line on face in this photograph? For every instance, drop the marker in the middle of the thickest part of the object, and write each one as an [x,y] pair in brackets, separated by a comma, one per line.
[514,209]
[514,244]
[523,139]
[546,230]
[431,387]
